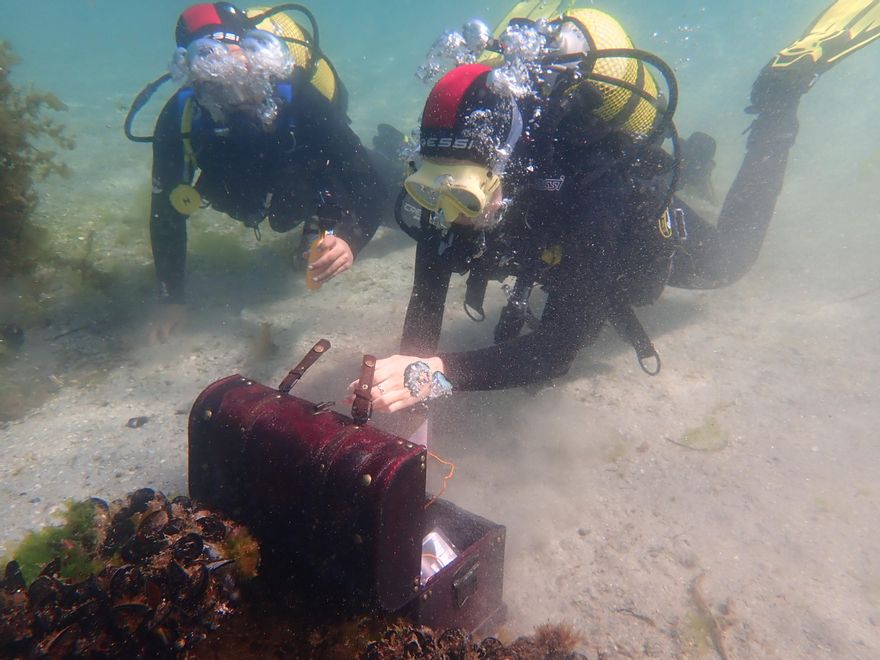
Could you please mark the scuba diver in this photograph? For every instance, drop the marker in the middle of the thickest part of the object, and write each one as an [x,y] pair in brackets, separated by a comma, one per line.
[258,130]
[548,166]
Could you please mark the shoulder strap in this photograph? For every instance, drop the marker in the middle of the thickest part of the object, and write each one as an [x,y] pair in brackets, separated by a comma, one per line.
[185,105]
[285,91]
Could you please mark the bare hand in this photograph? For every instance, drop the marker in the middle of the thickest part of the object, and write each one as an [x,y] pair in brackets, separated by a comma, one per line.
[168,318]
[336,257]
[389,392]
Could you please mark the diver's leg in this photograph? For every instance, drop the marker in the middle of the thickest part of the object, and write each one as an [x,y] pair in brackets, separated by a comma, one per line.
[717,258]
[168,239]
[712,257]
[749,205]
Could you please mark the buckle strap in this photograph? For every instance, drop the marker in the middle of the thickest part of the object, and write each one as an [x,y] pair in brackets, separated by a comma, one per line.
[362,406]
[475,294]
[297,372]
[628,326]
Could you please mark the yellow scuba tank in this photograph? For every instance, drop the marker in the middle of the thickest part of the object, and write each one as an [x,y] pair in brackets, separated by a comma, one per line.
[532,10]
[592,30]
[324,77]
[585,30]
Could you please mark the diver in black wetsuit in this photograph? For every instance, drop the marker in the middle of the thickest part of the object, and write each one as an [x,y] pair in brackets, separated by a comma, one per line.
[572,191]
[259,135]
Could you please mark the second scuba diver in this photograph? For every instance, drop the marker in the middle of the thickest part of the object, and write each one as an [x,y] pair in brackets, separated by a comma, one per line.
[259,131]
[549,167]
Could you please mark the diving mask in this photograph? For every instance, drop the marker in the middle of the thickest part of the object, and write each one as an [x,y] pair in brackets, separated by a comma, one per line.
[455,189]
[258,52]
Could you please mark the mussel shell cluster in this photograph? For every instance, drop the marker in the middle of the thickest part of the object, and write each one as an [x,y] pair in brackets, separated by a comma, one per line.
[403,640]
[167,580]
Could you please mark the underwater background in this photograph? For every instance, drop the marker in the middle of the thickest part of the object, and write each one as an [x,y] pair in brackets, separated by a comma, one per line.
[777,375]
[95,56]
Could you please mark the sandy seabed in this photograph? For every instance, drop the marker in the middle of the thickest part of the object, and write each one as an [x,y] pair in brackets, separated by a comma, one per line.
[727,506]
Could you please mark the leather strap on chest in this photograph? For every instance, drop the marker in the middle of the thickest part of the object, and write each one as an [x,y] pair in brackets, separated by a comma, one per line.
[362,406]
[297,372]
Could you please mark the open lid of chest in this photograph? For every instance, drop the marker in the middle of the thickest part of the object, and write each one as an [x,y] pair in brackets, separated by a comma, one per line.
[339,506]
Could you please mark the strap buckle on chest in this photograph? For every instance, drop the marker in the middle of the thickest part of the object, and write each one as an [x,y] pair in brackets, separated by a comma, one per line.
[679,225]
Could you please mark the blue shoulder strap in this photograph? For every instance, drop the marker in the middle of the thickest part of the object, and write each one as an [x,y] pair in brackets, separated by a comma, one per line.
[285,91]
[183,95]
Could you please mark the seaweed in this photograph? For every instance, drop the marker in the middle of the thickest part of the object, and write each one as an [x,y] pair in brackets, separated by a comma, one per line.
[263,345]
[244,550]
[26,125]
[72,543]
[705,626]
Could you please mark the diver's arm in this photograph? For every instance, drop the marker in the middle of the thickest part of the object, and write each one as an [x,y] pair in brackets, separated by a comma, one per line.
[345,163]
[167,226]
[421,330]
[573,317]
[424,315]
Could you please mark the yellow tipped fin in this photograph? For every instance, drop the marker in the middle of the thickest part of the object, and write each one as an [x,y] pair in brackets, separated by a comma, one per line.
[533,10]
[843,28]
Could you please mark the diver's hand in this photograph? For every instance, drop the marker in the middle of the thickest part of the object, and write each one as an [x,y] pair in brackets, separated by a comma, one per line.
[390,392]
[336,257]
[168,318]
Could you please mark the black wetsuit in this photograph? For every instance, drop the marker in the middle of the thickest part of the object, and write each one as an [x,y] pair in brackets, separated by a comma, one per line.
[251,173]
[619,251]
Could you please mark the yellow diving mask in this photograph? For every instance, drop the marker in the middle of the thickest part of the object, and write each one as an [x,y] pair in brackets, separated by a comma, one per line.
[455,188]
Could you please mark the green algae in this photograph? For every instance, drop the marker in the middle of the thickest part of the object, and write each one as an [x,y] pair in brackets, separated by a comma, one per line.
[73,543]
[708,436]
[697,635]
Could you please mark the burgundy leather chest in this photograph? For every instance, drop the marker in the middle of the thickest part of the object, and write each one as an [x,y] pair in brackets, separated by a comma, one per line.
[339,506]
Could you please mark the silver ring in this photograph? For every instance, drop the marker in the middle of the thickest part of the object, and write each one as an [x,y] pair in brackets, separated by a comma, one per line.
[379,387]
